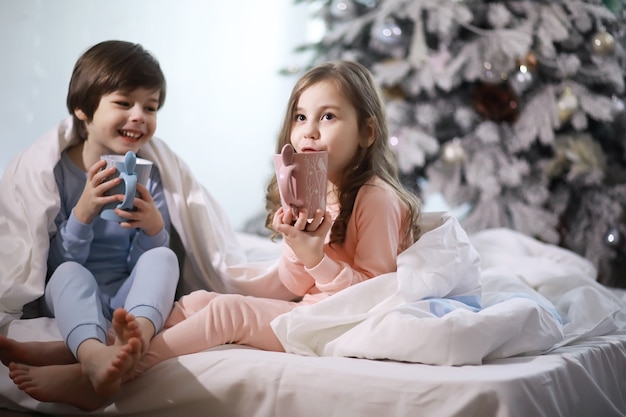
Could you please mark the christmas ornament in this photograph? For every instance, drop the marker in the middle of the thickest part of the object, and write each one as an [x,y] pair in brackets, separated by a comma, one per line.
[613,238]
[343,9]
[496,102]
[567,104]
[493,75]
[602,43]
[529,61]
[394,92]
[521,80]
[388,32]
[388,38]
[453,151]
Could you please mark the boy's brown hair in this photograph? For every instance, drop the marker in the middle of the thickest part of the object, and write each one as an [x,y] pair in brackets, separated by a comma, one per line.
[107,67]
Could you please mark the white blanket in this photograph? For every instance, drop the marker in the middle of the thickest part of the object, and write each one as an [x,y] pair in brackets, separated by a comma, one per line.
[30,202]
[535,297]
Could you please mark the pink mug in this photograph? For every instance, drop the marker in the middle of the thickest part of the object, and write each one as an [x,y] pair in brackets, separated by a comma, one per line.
[302,179]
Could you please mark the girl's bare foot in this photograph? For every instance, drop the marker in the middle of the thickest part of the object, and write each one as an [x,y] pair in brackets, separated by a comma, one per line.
[34,353]
[57,383]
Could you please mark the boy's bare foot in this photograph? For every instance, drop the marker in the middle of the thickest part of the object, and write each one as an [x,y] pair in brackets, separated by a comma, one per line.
[127,326]
[57,383]
[34,353]
[104,365]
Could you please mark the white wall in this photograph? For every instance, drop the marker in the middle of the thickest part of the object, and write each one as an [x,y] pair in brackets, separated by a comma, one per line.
[225,98]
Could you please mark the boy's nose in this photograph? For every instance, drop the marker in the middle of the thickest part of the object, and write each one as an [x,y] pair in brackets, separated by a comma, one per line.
[137,114]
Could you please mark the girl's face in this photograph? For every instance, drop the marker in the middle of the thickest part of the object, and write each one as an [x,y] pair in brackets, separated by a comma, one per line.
[123,121]
[326,121]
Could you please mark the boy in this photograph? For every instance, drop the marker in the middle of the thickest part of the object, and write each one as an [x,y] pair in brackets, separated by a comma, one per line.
[101,271]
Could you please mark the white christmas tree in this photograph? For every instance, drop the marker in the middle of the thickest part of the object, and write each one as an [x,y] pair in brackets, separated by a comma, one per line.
[513,108]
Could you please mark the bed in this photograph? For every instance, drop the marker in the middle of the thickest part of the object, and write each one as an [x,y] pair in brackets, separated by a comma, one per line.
[542,339]
[583,375]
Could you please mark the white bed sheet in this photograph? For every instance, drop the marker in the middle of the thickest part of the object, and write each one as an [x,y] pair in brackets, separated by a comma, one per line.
[586,378]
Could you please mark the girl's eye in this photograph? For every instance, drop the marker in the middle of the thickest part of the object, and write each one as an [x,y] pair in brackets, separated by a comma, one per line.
[300,118]
[328,116]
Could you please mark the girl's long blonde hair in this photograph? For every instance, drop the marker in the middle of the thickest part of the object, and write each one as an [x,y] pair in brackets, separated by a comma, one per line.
[356,83]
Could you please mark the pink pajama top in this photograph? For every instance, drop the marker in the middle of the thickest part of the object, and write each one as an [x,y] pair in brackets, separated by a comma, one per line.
[374,238]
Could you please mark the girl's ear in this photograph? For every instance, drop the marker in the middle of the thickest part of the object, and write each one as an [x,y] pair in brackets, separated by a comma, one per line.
[370,132]
[81,115]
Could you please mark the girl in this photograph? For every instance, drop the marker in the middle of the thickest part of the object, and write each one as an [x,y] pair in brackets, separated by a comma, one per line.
[369,220]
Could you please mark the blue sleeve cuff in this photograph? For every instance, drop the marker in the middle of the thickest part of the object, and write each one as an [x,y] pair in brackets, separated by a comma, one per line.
[78,229]
[146,242]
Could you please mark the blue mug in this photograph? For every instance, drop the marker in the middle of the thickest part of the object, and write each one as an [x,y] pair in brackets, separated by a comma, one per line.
[131,170]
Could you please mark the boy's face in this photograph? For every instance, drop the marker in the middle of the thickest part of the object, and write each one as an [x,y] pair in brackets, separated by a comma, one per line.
[124,121]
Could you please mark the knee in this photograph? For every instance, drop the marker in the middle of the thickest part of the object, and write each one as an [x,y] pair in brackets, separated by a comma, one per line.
[70,276]
[164,252]
[69,271]
[227,304]
[197,300]
[162,255]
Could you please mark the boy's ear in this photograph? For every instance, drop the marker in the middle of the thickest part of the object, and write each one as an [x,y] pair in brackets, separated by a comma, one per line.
[81,115]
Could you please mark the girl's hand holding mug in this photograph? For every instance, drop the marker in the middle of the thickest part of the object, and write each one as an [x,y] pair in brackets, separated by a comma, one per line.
[305,238]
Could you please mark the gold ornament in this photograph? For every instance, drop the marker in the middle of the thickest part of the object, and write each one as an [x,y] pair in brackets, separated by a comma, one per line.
[453,152]
[394,92]
[602,43]
[567,104]
[529,61]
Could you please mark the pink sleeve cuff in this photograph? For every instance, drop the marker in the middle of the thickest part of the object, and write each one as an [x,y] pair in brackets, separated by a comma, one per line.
[325,271]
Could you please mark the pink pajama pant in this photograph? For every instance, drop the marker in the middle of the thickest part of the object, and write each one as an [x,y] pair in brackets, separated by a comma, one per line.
[204,319]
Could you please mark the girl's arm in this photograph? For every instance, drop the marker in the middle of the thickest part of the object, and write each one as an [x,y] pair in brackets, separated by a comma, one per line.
[373,241]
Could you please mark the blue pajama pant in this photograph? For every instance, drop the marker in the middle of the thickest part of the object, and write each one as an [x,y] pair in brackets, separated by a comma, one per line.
[83,310]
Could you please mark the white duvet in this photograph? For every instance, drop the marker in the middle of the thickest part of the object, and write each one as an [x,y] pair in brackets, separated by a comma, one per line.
[535,297]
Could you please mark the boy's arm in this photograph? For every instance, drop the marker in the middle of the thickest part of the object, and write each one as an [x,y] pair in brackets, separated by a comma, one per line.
[142,242]
[71,241]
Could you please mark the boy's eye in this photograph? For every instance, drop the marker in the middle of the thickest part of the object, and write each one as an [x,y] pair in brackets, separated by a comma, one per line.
[122,103]
[151,109]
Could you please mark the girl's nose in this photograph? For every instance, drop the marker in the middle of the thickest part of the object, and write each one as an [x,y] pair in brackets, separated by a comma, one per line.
[312,131]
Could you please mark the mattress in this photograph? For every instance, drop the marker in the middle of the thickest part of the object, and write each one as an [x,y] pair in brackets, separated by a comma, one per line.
[585,378]
[583,375]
